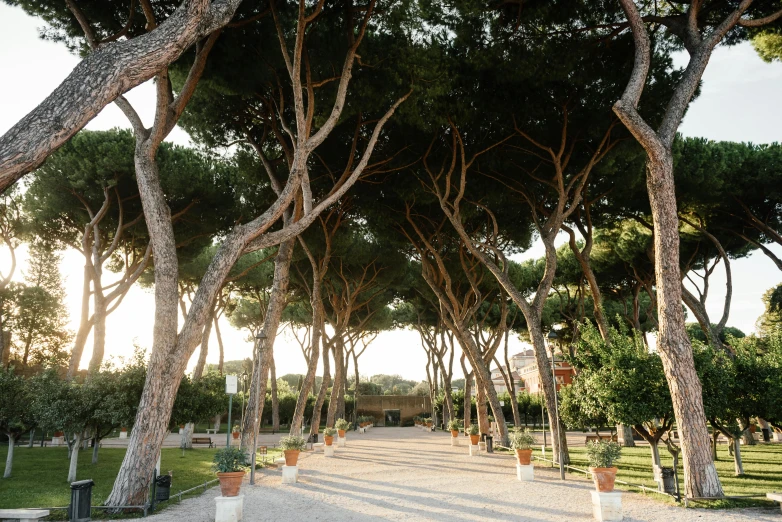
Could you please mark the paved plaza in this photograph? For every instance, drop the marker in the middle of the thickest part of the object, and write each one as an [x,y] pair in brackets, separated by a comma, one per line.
[407,474]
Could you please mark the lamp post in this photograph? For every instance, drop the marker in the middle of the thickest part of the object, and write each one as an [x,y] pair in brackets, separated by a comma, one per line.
[552,336]
[260,338]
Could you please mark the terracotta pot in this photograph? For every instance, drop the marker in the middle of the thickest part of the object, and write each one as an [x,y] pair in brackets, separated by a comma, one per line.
[341,433]
[58,434]
[230,483]
[123,429]
[454,433]
[235,434]
[291,457]
[604,478]
[753,428]
[328,439]
[428,424]
[523,456]
[474,439]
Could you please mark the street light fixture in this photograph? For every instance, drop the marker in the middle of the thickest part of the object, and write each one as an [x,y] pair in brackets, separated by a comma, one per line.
[260,337]
[552,337]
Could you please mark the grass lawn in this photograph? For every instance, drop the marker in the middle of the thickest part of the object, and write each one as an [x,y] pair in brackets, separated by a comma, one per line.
[39,474]
[762,467]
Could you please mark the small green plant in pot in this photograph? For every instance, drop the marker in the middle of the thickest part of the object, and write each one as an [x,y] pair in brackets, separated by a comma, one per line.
[342,426]
[602,455]
[235,431]
[328,436]
[230,465]
[291,446]
[454,426]
[474,431]
[522,442]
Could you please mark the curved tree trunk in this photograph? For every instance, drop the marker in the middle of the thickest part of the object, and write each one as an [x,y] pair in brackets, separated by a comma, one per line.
[220,346]
[74,462]
[277,301]
[95,448]
[9,458]
[198,371]
[85,325]
[339,378]
[482,410]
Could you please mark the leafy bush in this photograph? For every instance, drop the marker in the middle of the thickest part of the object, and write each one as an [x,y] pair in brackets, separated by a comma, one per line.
[228,460]
[521,439]
[454,425]
[292,442]
[342,424]
[329,432]
[602,454]
[473,429]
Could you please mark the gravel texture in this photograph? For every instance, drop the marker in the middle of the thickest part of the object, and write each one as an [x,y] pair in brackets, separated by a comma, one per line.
[408,474]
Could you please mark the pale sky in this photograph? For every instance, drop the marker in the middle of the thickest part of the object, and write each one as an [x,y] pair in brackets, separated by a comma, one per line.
[734,105]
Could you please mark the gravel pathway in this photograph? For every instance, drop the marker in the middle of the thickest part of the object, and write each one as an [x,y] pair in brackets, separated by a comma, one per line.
[406,474]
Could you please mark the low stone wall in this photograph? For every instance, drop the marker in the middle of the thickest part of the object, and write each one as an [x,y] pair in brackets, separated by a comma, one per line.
[409,407]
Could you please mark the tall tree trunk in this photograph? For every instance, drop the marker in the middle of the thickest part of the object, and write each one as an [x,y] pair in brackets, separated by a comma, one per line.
[324,385]
[468,376]
[548,385]
[482,410]
[275,399]
[198,371]
[277,301]
[74,459]
[339,377]
[9,458]
[312,365]
[220,346]
[98,330]
[672,342]
[85,325]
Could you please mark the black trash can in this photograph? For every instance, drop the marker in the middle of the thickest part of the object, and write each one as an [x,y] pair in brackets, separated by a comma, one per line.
[315,438]
[81,500]
[162,487]
[766,435]
[489,444]
[669,480]
[483,437]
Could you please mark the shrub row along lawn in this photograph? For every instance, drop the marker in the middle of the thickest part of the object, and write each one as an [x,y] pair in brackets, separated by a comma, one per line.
[762,467]
[39,474]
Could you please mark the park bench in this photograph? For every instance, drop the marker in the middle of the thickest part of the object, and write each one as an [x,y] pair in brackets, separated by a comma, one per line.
[9,515]
[776,497]
[595,438]
[203,440]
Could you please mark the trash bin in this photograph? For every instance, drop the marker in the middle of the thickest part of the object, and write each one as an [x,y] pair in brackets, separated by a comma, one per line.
[81,500]
[669,481]
[489,444]
[315,438]
[483,437]
[162,487]
[766,435]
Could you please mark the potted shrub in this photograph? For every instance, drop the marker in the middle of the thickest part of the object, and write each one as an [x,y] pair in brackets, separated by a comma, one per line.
[291,446]
[474,432]
[235,431]
[342,426]
[454,425]
[522,441]
[230,465]
[59,434]
[328,436]
[428,422]
[602,455]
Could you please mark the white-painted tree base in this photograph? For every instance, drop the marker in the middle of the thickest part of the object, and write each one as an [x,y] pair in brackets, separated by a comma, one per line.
[341,441]
[607,507]
[525,472]
[473,450]
[328,451]
[454,441]
[778,436]
[290,474]
[229,509]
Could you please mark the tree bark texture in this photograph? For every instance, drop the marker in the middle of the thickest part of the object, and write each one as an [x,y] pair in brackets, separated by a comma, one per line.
[9,458]
[277,302]
[321,399]
[99,79]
